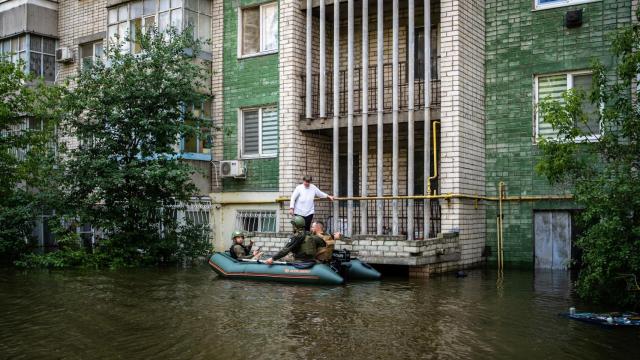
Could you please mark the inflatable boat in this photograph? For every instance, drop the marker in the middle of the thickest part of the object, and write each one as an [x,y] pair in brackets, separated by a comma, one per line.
[310,273]
[606,319]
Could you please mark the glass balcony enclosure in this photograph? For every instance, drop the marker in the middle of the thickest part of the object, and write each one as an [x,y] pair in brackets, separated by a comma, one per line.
[37,53]
[130,18]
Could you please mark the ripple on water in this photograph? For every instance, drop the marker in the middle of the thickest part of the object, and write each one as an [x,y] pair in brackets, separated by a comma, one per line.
[191,314]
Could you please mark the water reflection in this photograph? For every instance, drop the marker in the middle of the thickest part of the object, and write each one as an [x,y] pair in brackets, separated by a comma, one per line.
[188,314]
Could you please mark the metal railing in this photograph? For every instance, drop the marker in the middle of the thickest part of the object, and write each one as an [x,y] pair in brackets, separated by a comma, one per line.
[403,99]
[324,212]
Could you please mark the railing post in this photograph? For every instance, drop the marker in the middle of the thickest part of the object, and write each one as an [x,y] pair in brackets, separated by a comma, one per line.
[336,111]
[410,121]
[364,85]
[350,56]
[380,110]
[427,115]
[323,62]
[308,79]
[395,149]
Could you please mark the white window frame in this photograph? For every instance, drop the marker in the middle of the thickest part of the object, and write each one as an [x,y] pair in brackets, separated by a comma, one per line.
[536,101]
[93,54]
[261,52]
[260,154]
[559,3]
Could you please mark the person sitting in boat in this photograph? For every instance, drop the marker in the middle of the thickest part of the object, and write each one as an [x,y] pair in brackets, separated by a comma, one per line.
[239,251]
[324,253]
[302,244]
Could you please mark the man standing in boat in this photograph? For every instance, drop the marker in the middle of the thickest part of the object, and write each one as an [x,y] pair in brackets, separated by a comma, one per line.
[239,251]
[302,244]
[302,201]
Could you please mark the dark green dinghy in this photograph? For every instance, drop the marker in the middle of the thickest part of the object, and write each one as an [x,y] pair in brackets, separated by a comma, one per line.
[336,274]
[228,267]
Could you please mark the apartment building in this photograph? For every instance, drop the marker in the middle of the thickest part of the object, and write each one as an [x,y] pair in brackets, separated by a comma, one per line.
[420,115]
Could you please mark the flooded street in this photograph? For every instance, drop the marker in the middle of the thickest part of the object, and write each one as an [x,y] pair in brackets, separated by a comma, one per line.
[184,314]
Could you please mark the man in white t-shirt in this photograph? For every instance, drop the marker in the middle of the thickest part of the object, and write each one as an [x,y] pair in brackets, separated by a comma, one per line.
[302,200]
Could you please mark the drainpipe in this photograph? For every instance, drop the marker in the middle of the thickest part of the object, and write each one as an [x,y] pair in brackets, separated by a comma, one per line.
[434,134]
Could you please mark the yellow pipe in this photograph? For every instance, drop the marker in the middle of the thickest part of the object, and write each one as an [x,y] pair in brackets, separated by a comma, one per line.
[501,229]
[434,144]
[446,197]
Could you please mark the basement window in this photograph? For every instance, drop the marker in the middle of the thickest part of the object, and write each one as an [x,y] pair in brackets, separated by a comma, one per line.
[256,220]
[258,133]
[552,87]
[549,4]
[258,30]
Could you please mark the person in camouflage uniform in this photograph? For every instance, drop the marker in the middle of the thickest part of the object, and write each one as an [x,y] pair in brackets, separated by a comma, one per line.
[302,244]
[324,253]
[239,251]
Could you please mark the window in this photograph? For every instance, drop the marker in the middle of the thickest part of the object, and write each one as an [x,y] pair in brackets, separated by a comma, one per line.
[547,4]
[258,133]
[197,15]
[37,52]
[14,48]
[90,53]
[419,53]
[552,87]
[128,19]
[258,30]
[256,220]
[202,143]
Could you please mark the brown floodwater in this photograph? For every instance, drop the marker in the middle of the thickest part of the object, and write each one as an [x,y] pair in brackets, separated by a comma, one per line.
[193,314]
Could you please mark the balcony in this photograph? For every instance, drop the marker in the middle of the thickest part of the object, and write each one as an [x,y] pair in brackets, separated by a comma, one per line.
[403,98]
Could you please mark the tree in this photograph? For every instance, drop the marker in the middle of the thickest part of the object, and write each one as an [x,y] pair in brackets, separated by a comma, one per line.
[604,173]
[128,114]
[29,112]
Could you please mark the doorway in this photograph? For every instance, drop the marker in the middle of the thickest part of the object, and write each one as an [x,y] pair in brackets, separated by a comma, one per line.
[552,239]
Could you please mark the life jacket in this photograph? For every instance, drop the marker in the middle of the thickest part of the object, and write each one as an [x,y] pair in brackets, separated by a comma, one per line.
[324,253]
[233,253]
[308,247]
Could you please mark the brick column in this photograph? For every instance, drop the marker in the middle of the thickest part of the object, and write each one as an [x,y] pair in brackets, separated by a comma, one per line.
[462,122]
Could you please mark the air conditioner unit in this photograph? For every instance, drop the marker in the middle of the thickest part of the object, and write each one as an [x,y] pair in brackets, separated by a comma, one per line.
[232,168]
[64,55]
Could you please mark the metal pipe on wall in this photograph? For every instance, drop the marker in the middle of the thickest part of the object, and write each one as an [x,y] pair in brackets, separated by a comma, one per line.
[336,110]
[323,61]
[395,150]
[309,60]
[410,120]
[427,116]
[364,169]
[350,36]
[380,108]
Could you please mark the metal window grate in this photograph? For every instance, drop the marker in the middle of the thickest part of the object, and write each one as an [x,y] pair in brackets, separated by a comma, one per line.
[256,220]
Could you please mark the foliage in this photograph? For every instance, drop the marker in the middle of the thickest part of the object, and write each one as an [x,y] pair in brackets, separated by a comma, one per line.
[128,113]
[604,173]
[27,154]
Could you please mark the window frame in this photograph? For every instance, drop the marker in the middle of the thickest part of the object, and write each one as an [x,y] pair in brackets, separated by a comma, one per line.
[536,100]
[198,155]
[258,214]
[93,52]
[260,154]
[559,3]
[239,42]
